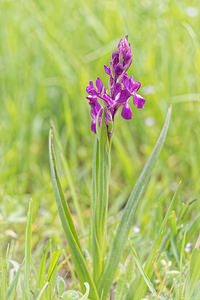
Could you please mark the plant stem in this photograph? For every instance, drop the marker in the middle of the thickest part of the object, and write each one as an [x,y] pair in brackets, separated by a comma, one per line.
[101,171]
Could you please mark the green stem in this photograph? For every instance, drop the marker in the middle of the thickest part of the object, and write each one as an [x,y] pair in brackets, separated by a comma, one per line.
[101,171]
[102,202]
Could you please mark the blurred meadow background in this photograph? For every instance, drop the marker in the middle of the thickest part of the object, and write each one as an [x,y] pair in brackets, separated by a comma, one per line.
[49,50]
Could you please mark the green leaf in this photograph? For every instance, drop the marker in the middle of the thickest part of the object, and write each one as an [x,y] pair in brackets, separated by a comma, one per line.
[181,265]
[144,275]
[41,270]
[85,296]
[52,264]
[70,295]
[194,275]
[63,208]
[42,290]
[68,226]
[28,253]
[173,223]
[71,184]
[60,285]
[121,236]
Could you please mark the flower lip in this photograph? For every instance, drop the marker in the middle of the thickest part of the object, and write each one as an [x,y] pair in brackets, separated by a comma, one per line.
[138,101]
[126,112]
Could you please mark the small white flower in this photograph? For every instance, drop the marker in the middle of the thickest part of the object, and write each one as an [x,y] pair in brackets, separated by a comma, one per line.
[173,186]
[191,11]
[148,89]
[188,247]
[11,233]
[136,229]
[163,262]
[187,250]
[149,121]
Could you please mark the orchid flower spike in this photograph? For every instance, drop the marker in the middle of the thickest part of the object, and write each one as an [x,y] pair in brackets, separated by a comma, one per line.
[121,89]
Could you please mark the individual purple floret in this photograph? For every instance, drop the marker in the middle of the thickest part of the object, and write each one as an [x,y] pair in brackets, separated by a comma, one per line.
[121,89]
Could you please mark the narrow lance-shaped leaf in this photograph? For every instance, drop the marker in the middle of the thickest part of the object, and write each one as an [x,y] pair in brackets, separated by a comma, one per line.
[121,236]
[60,200]
[71,184]
[68,226]
[42,270]
[52,264]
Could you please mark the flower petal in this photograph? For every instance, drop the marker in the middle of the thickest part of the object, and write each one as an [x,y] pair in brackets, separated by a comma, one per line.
[127,58]
[118,69]
[116,89]
[126,112]
[138,101]
[99,85]
[124,96]
[107,70]
[115,54]
[90,89]
[95,107]
[93,126]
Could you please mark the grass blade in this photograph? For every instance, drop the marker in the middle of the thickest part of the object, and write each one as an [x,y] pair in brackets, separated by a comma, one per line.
[85,296]
[121,236]
[144,275]
[68,226]
[42,290]
[53,262]
[194,275]
[28,253]
[41,270]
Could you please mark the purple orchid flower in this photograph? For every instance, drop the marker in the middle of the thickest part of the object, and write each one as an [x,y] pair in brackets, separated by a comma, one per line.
[132,87]
[121,89]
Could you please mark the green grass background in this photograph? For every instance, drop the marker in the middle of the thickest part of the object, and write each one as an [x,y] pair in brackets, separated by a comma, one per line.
[48,52]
